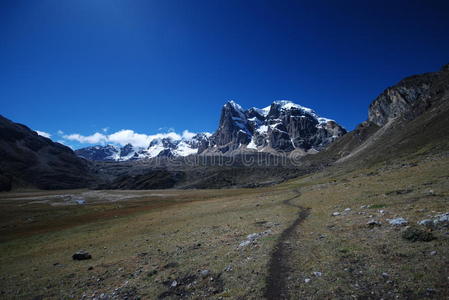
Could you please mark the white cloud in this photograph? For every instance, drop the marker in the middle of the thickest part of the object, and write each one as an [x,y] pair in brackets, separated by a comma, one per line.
[96,138]
[170,135]
[60,132]
[187,134]
[43,133]
[106,129]
[125,136]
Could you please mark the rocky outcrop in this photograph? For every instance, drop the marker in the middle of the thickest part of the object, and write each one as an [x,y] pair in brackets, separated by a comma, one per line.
[406,117]
[234,129]
[199,141]
[409,98]
[399,101]
[282,127]
[127,150]
[30,160]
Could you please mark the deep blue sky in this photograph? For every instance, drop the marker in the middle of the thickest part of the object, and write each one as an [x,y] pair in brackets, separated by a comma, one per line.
[79,66]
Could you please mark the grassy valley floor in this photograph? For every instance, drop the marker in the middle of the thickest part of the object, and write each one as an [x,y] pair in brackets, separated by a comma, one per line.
[172,244]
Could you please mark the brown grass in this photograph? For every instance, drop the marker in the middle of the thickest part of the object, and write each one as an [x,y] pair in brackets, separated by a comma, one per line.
[142,243]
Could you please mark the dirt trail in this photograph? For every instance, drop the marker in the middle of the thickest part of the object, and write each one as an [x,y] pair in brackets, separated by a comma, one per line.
[278,269]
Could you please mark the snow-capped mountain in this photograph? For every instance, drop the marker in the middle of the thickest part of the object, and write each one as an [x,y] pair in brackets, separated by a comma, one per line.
[158,147]
[170,147]
[282,126]
[110,153]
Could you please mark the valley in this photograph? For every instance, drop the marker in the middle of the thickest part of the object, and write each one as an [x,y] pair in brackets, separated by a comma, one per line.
[170,244]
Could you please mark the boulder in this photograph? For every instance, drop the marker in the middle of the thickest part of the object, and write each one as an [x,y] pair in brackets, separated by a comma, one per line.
[372,223]
[426,223]
[81,255]
[398,221]
[441,220]
[205,273]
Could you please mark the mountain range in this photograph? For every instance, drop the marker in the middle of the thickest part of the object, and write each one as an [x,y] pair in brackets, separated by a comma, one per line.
[158,147]
[281,127]
[408,119]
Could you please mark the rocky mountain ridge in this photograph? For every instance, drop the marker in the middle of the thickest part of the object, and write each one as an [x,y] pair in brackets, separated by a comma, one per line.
[406,117]
[281,127]
[409,98]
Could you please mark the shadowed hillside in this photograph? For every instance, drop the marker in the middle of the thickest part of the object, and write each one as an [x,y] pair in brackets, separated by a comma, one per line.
[28,160]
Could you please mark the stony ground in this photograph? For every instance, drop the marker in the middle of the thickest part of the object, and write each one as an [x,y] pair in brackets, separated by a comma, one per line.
[218,244]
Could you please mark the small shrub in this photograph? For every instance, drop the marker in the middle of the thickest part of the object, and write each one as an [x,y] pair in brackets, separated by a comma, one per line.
[377,206]
[414,234]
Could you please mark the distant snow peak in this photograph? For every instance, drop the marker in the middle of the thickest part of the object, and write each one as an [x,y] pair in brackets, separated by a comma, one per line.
[159,145]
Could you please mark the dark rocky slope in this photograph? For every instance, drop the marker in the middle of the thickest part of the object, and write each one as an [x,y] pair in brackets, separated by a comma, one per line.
[407,119]
[32,161]
[211,171]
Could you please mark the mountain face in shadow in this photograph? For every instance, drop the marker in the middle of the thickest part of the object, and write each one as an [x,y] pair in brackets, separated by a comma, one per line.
[32,161]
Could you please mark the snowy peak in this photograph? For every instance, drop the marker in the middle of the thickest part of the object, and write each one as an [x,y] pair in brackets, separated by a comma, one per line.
[233,105]
[287,104]
[169,147]
[282,126]
[288,107]
[233,127]
[235,112]
[158,147]
[107,153]
[263,111]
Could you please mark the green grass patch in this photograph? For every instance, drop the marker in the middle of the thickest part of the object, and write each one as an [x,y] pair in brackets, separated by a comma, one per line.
[377,206]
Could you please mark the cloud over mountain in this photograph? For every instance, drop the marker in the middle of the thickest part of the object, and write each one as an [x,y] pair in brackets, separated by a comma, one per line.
[43,133]
[126,136]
